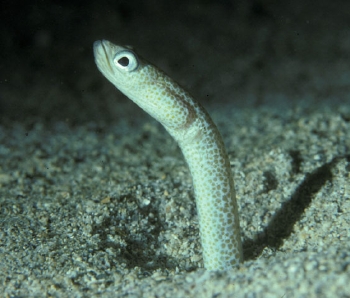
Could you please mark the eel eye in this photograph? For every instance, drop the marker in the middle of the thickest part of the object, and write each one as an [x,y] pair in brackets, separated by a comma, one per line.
[126,61]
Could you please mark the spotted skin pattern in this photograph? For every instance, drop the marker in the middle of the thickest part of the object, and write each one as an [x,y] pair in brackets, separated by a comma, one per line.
[199,139]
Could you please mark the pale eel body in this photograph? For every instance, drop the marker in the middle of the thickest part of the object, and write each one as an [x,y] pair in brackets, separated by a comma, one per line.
[200,141]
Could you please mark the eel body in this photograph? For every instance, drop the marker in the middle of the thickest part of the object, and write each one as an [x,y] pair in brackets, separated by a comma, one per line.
[199,139]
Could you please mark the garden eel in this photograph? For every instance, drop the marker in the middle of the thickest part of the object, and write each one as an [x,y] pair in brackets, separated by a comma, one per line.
[199,139]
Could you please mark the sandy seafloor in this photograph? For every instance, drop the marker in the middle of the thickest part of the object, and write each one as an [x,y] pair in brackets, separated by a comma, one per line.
[96,199]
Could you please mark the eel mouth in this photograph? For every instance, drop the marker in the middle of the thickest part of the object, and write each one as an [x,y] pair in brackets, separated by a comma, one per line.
[100,53]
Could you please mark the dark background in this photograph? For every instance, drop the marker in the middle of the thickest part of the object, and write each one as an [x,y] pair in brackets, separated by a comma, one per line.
[224,52]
